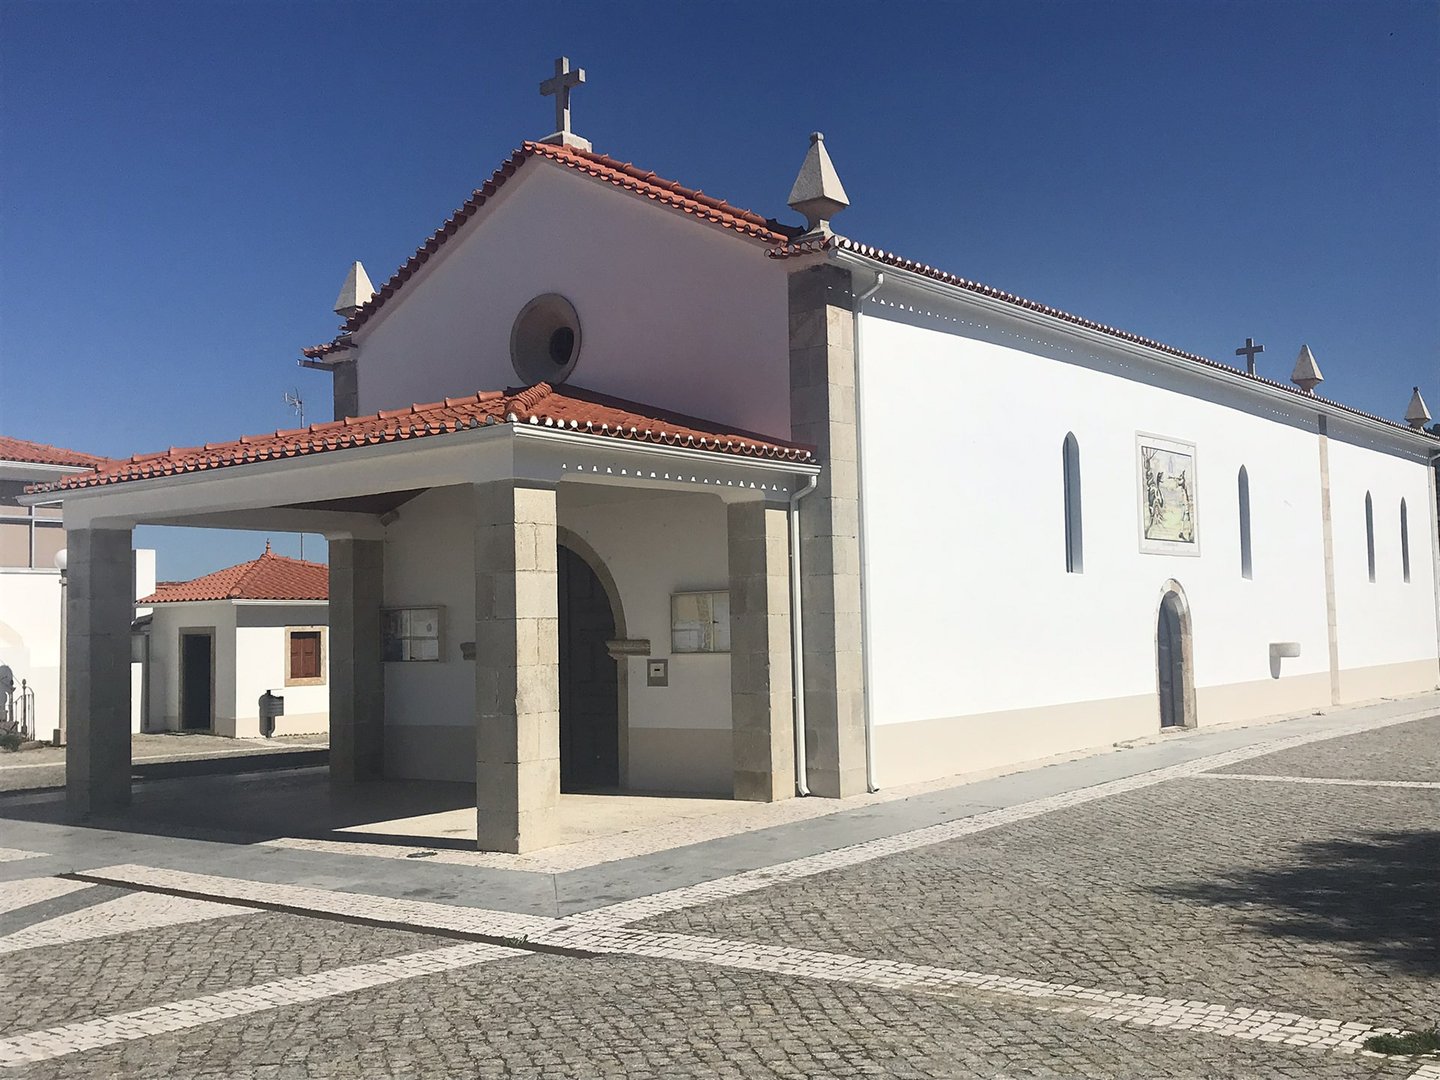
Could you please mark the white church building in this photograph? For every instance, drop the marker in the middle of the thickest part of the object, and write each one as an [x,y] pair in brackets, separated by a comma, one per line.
[617,467]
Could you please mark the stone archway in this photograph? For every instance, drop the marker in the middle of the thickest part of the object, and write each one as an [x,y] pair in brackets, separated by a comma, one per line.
[1174,659]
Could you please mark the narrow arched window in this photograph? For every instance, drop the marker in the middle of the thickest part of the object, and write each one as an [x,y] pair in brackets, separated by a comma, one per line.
[1405,541]
[1243,491]
[1074,527]
[1370,535]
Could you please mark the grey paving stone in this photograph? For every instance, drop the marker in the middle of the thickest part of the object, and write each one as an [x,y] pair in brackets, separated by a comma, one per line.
[557,1017]
[59,984]
[1317,900]
[1403,752]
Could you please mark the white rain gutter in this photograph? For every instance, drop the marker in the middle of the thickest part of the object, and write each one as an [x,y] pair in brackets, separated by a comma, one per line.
[797,645]
[865,637]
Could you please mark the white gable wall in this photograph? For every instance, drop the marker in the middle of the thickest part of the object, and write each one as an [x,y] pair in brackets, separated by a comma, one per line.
[674,313]
[985,651]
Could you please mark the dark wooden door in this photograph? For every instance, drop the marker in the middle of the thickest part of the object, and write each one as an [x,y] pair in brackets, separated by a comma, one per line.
[589,701]
[1171,659]
[196,679]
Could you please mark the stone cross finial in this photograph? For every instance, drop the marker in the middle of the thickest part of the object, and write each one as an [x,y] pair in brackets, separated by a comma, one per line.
[1307,372]
[1417,415]
[1249,351]
[818,193]
[560,85]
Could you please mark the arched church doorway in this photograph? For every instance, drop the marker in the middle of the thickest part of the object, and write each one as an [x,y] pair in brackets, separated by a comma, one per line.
[1174,660]
[589,684]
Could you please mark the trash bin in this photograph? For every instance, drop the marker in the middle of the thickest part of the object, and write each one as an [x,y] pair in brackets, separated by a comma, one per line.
[271,706]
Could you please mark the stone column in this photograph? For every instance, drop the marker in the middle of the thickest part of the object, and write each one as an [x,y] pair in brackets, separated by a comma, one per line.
[357,679]
[822,413]
[761,710]
[100,604]
[517,668]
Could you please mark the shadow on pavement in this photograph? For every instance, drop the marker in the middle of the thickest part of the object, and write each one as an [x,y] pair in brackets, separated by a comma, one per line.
[1380,892]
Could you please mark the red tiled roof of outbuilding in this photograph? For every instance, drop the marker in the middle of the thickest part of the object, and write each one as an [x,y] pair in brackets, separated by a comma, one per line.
[563,408]
[270,577]
[34,453]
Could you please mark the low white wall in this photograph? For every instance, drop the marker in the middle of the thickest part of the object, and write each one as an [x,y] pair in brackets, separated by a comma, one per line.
[30,638]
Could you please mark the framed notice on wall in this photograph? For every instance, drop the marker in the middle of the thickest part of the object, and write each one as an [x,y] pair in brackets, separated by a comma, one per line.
[410,634]
[700,622]
[1168,484]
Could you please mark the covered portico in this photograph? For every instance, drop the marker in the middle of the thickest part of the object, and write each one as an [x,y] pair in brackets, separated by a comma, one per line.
[476,509]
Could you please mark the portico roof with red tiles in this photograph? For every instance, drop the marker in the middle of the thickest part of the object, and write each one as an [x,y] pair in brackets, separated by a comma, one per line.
[270,577]
[34,453]
[564,408]
[621,174]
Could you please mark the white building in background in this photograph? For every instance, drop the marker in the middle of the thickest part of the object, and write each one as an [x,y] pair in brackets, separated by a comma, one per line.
[971,529]
[213,646]
[32,538]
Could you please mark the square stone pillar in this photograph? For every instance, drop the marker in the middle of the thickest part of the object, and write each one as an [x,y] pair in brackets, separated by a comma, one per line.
[357,679]
[517,667]
[823,414]
[99,607]
[761,709]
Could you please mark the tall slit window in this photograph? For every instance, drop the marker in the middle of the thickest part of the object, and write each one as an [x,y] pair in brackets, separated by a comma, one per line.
[1370,535]
[1405,541]
[1074,526]
[1243,492]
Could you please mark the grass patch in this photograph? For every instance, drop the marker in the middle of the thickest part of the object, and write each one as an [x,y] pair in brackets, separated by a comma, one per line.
[1411,1042]
[11,740]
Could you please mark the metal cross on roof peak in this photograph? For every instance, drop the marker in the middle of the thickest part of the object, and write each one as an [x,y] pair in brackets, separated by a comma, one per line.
[1249,351]
[560,85]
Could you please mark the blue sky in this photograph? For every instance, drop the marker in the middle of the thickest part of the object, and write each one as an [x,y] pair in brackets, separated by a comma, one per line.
[182,185]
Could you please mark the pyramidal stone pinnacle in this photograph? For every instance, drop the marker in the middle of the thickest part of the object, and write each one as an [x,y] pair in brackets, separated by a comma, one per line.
[817,192]
[1416,414]
[355,293]
[1307,372]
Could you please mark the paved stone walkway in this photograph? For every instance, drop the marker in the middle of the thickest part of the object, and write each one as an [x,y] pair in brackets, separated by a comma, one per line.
[1216,916]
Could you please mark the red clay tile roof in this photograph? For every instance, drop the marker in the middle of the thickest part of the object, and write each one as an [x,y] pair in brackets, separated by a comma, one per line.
[564,408]
[34,453]
[315,352]
[622,174]
[270,577]
[794,248]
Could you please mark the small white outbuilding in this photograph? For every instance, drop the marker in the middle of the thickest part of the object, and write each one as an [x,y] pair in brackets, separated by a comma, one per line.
[212,647]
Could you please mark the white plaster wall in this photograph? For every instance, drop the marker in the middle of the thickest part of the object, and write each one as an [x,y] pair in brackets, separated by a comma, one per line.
[972,611]
[259,659]
[673,313]
[1387,622]
[430,562]
[30,637]
[167,621]
[655,545]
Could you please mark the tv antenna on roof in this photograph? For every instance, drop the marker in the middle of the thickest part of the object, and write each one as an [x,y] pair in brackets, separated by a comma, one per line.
[296,402]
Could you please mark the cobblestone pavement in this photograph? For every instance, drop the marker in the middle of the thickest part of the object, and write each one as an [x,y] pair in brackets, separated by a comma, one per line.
[1019,949]
[1405,752]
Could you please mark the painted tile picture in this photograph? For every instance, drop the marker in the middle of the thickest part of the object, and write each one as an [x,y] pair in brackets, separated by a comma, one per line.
[1169,514]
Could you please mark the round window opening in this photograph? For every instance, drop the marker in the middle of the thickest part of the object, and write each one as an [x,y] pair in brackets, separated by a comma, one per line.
[545,340]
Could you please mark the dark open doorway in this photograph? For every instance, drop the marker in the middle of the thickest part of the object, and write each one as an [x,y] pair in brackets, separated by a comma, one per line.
[1175,676]
[589,697]
[197,680]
